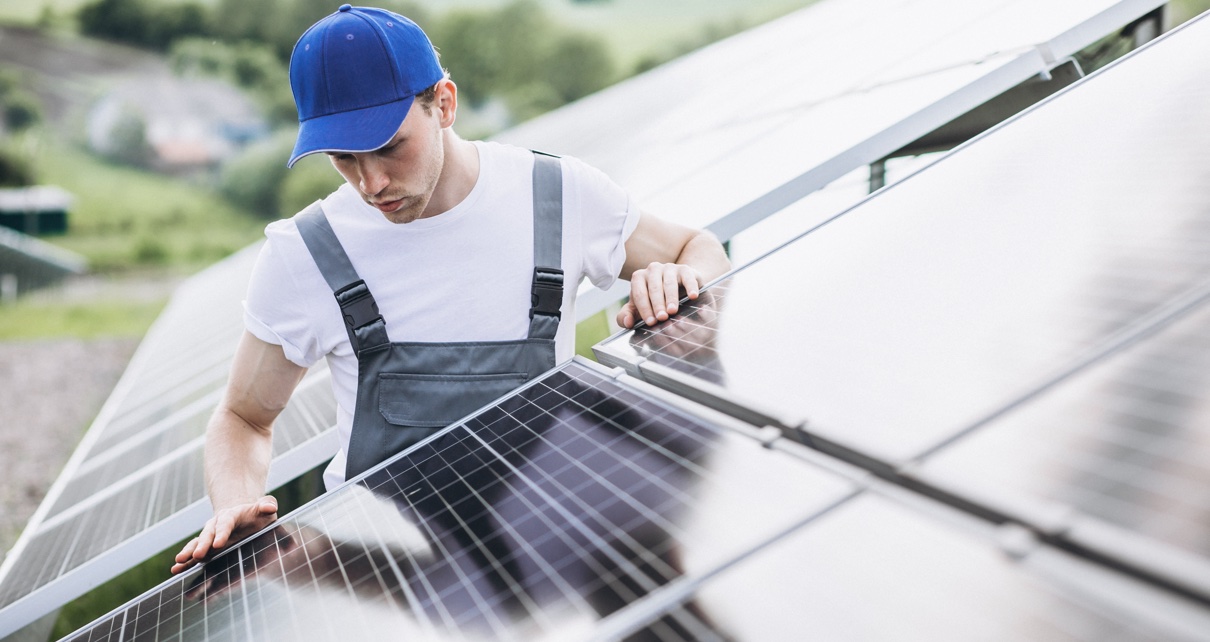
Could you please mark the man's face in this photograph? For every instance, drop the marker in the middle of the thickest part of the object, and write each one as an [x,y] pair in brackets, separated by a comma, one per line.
[399,178]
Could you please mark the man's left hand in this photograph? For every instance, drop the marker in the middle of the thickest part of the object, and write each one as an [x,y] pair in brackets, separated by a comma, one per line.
[655,293]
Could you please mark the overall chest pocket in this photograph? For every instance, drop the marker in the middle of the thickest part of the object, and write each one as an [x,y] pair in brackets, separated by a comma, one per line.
[439,399]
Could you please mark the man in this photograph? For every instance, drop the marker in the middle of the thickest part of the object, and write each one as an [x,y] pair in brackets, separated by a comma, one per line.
[439,277]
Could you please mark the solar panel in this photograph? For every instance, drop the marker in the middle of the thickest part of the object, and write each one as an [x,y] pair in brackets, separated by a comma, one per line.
[1020,326]
[1117,458]
[737,131]
[30,263]
[889,566]
[588,507]
[563,503]
[135,484]
[178,372]
[927,308]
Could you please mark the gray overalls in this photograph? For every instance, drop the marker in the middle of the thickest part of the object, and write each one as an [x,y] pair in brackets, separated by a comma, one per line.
[406,391]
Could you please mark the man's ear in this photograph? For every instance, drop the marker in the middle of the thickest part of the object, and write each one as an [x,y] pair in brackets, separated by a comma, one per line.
[446,102]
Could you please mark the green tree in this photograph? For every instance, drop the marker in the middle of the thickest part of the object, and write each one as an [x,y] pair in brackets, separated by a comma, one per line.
[311,179]
[252,66]
[15,170]
[21,111]
[18,109]
[578,65]
[236,20]
[171,22]
[254,178]
[137,22]
[519,54]
[122,20]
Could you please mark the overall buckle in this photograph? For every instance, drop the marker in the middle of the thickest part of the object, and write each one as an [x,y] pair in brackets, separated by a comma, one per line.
[357,305]
[546,294]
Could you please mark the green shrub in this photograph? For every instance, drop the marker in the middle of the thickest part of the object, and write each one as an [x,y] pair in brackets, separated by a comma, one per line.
[253,179]
[21,111]
[578,65]
[251,66]
[310,179]
[149,250]
[15,170]
[142,23]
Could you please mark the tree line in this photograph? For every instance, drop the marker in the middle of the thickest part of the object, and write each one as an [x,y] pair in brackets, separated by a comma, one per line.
[515,53]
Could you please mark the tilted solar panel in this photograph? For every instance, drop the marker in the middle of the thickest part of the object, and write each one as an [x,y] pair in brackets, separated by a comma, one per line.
[739,130]
[157,410]
[1124,443]
[925,308]
[563,503]
[586,507]
[135,484]
[1002,287]
[892,566]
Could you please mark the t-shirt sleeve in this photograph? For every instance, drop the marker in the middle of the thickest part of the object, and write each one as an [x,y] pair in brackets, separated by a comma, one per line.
[273,310]
[607,218]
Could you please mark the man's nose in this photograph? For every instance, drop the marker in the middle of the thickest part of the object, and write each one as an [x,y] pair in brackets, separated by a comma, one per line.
[374,178]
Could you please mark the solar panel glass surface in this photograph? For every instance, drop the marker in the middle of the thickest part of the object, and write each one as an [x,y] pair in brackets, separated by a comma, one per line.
[1126,443]
[565,503]
[895,567]
[811,96]
[934,304]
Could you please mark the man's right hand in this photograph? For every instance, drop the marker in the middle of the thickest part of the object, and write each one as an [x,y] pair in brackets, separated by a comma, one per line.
[229,524]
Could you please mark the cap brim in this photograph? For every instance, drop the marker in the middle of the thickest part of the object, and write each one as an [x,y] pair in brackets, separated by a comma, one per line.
[360,130]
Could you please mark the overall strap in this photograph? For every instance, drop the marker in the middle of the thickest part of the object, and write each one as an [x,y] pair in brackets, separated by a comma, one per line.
[546,293]
[364,324]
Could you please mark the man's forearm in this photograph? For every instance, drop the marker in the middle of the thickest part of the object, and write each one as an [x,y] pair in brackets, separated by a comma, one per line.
[705,254]
[237,459]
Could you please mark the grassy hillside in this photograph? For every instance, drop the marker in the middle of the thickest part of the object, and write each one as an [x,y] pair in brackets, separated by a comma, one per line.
[633,28]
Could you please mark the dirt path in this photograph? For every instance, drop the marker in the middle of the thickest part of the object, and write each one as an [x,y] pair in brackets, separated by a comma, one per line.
[50,390]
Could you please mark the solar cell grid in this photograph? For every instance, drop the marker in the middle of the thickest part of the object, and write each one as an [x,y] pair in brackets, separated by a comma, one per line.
[127,505]
[74,538]
[310,413]
[137,414]
[564,503]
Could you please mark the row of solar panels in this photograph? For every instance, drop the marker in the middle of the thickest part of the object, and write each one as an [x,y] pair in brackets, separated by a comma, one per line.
[135,484]
[589,506]
[752,125]
[27,263]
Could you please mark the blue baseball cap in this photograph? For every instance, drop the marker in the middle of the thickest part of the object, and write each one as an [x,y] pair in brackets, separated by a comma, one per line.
[354,75]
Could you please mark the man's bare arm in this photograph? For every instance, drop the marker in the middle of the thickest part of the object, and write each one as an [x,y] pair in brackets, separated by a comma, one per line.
[239,442]
[662,257]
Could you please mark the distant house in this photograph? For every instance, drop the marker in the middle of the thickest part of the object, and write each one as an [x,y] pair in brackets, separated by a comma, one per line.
[35,210]
[179,125]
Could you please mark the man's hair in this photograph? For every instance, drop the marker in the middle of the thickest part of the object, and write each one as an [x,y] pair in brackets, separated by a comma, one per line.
[426,97]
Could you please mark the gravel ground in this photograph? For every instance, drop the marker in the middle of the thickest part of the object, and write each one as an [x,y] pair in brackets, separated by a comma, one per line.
[50,391]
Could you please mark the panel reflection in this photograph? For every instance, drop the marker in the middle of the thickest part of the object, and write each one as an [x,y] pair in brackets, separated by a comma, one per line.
[569,502]
[878,568]
[936,303]
[1127,442]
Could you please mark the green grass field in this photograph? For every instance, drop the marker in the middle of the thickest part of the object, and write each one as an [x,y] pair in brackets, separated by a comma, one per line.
[129,224]
[126,217]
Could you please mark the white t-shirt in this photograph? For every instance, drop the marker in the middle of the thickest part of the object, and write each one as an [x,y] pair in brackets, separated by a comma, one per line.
[463,275]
